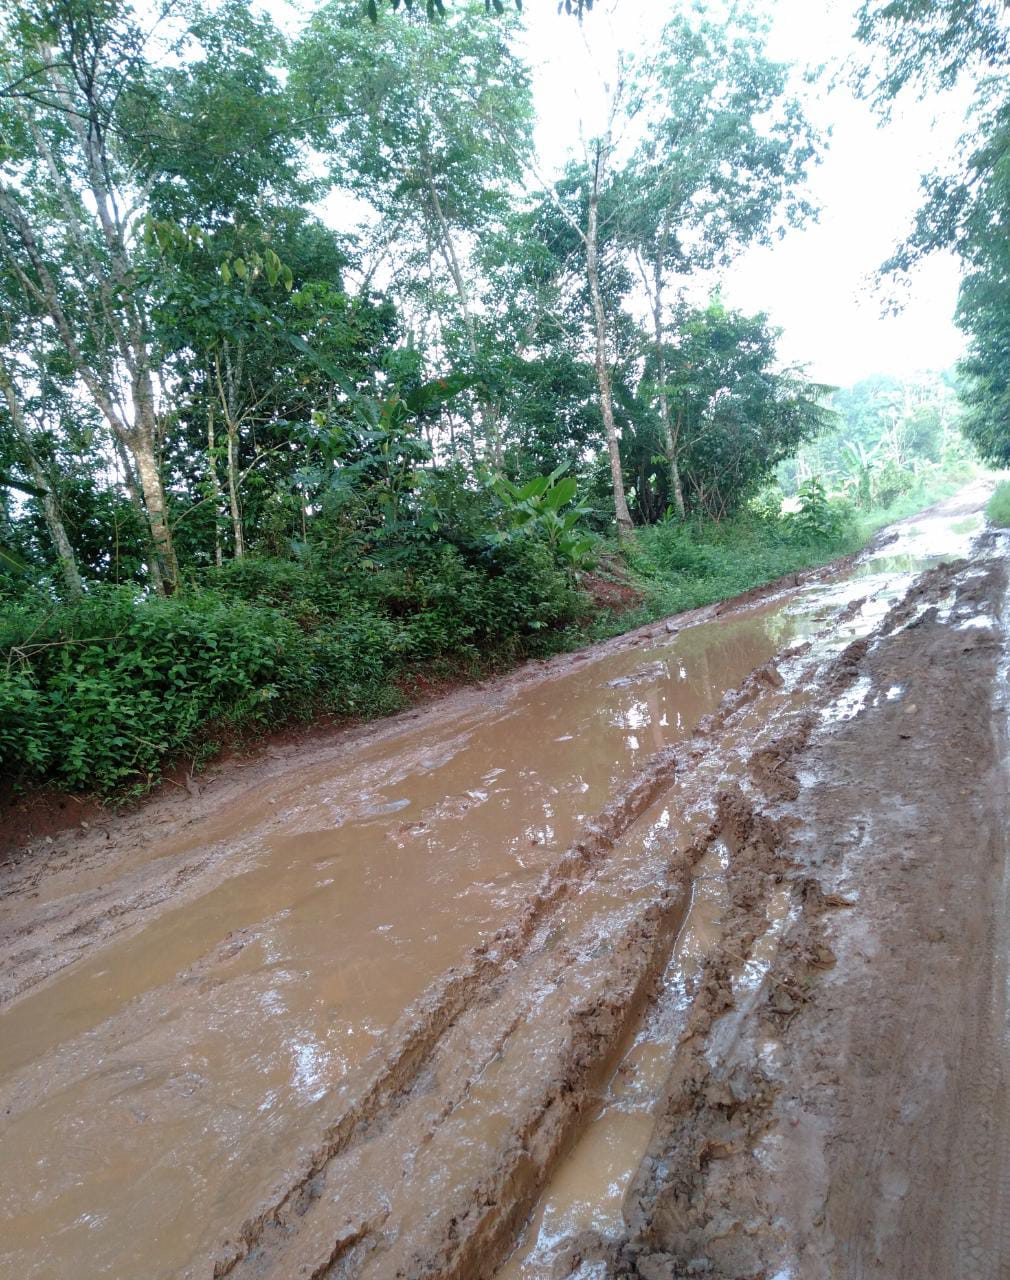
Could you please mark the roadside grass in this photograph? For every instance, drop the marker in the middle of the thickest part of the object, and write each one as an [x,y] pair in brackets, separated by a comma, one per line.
[678,567]
[998,507]
[100,697]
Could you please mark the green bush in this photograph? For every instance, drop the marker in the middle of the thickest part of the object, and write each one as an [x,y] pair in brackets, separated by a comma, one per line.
[998,507]
[98,696]
[684,565]
[106,690]
[820,519]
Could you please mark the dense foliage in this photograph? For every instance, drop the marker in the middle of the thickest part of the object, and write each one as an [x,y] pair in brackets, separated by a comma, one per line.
[966,208]
[313,386]
[886,437]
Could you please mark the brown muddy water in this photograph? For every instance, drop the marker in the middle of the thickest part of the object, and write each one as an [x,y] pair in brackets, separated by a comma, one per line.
[152,1091]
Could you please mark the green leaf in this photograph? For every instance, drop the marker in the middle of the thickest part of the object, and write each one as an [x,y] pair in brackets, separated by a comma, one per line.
[11,560]
[563,491]
[225,273]
[533,488]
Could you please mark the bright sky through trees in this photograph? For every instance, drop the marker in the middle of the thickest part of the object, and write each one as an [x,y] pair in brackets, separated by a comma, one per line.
[818,284]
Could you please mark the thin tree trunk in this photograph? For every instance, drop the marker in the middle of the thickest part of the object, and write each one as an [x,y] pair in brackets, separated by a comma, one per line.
[215,486]
[142,448]
[134,493]
[489,413]
[624,525]
[229,381]
[233,502]
[50,508]
[669,439]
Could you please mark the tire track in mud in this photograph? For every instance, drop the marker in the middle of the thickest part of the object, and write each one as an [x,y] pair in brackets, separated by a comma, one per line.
[294,1236]
[423,1027]
[849,1119]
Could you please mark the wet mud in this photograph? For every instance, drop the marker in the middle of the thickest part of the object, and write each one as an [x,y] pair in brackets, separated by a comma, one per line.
[555,977]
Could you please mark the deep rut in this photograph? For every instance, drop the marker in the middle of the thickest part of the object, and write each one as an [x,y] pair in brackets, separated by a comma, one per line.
[355,1021]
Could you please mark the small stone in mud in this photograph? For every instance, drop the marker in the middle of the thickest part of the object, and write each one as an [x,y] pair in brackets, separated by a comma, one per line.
[657,1266]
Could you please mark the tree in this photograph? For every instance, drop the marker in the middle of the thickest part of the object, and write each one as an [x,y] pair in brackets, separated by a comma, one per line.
[736,414]
[725,150]
[966,209]
[95,129]
[42,487]
[429,123]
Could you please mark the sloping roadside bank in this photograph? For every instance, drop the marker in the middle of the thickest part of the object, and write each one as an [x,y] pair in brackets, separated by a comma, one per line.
[33,819]
[30,823]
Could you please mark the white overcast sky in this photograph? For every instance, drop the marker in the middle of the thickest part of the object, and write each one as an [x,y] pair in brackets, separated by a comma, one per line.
[817,283]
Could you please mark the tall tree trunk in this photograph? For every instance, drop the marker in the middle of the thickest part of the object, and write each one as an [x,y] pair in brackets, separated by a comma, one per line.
[215,486]
[142,448]
[489,415]
[233,480]
[670,440]
[228,375]
[592,244]
[133,491]
[50,508]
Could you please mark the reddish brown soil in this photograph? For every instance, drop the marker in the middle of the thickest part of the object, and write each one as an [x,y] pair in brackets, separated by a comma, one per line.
[833,1101]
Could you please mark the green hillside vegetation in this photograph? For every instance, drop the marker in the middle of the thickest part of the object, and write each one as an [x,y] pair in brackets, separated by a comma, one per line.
[258,466]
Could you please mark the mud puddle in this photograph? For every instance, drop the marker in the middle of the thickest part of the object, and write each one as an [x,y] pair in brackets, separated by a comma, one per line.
[162,1084]
[584,1199]
[191,1055]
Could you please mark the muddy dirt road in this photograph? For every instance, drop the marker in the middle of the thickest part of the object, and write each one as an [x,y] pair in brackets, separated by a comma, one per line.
[686,955]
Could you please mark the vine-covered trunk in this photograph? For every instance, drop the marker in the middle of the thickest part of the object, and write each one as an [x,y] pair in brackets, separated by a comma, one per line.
[65,557]
[624,525]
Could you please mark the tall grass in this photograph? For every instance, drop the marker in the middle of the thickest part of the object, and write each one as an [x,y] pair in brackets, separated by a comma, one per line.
[683,566]
[998,507]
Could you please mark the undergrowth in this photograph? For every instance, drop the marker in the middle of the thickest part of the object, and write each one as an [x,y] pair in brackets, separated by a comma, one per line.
[99,697]
[998,508]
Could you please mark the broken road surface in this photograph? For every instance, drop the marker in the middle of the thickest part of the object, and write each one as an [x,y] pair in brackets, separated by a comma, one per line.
[686,955]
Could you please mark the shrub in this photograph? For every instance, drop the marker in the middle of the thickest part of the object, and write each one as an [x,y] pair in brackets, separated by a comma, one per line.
[998,507]
[819,519]
[110,687]
[99,695]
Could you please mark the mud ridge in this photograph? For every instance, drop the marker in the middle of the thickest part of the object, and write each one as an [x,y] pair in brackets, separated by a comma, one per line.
[421,1027]
[809,1128]
[480,1221]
